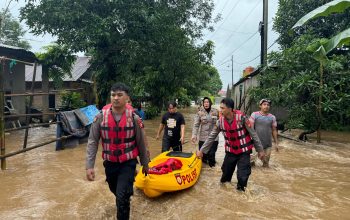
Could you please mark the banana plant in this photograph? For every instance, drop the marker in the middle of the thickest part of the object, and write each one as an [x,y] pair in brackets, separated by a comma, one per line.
[337,6]
[325,46]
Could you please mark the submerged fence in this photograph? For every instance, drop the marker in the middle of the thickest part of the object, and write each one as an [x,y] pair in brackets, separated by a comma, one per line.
[28,115]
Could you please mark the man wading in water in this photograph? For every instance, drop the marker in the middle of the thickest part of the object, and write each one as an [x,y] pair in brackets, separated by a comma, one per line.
[265,126]
[240,138]
[122,140]
[173,123]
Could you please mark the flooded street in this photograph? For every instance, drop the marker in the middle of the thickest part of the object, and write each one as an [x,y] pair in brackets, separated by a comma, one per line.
[304,182]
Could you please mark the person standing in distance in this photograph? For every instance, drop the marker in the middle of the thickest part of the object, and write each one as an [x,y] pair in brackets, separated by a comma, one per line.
[240,138]
[265,126]
[173,123]
[120,131]
[204,121]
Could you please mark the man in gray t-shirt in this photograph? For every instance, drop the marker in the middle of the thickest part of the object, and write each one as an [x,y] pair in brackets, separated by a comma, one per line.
[265,126]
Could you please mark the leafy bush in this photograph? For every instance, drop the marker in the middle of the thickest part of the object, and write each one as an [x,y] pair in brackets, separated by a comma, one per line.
[71,100]
[152,111]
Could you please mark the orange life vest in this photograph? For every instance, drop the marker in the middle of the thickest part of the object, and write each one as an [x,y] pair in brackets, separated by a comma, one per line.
[118,140]
[237,138]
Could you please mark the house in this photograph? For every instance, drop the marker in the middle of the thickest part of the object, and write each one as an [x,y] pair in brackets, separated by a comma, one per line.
[15,60]
[241,96]
[80,81]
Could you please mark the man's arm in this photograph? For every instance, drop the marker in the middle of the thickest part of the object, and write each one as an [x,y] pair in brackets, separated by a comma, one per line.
[275,132]
[160,129]
[195,128]
[141,143]
[257,143]
[252,120]
[209,142]
[92,147]
[182,139]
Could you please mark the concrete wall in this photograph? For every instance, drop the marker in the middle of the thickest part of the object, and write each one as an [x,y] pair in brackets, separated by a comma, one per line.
[14,84]
[240,92]
[86,94]
[250,106]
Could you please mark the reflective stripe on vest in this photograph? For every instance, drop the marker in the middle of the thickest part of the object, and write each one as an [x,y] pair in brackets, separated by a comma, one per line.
[237,138]
[118,139]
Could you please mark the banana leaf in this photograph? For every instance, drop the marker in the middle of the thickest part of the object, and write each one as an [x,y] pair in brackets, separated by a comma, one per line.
[343,38]
[336,6]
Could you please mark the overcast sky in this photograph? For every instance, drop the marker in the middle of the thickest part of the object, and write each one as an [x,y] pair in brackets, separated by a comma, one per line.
[235,34]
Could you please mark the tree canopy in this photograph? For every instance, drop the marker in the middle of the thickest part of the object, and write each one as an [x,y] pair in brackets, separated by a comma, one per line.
[57,60]
[150,45]
[293,80]
[11,32]
[289,12]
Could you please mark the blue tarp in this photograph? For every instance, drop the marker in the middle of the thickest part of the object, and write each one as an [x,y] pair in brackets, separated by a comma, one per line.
[87,114]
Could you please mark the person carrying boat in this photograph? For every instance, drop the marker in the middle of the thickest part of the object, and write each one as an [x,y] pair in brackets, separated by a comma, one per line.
[173,123]
[120,131]
[265,125]
[204,121]
[240,138]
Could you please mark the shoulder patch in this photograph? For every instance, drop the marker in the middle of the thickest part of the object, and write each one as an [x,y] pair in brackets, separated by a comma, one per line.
[97,117]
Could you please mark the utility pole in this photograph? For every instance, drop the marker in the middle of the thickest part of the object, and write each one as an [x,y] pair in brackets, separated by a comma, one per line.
[261,31]
[265,28]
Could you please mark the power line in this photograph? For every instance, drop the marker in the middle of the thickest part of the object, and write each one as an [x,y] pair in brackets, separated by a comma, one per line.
[224,19]
[243,21]
[224,63]
[256,56]
[231,53]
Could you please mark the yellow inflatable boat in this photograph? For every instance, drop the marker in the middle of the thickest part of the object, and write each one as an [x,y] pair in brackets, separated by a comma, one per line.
[172,175]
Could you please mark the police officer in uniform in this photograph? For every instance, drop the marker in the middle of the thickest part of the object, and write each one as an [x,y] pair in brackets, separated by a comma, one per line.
[240,138]
[122,136]
[204,121]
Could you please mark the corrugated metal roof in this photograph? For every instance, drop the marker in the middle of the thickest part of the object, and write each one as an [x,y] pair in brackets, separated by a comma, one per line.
[17,53]
[11,47]
[80,66]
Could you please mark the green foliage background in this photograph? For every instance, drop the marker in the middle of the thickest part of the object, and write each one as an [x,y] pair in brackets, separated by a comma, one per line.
[292,79]
[149,45]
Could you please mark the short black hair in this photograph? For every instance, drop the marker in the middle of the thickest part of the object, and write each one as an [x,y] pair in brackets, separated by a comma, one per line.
[210,102]
[172,103]
[228,102]
[120,87]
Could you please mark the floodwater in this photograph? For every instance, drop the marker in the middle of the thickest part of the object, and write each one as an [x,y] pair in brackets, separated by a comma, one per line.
[304,182]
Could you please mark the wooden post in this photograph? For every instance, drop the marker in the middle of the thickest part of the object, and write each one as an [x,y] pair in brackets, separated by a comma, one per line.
[28,118]
[2,119]
[45,88]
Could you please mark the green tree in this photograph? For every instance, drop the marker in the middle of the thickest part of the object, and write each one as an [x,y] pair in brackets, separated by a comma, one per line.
[57,62]
[289,12]
[11,32]
[295,81]
[323,47]
[147,44]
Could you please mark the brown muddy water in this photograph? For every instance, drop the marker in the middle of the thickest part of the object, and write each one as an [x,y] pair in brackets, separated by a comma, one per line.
[304,182]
